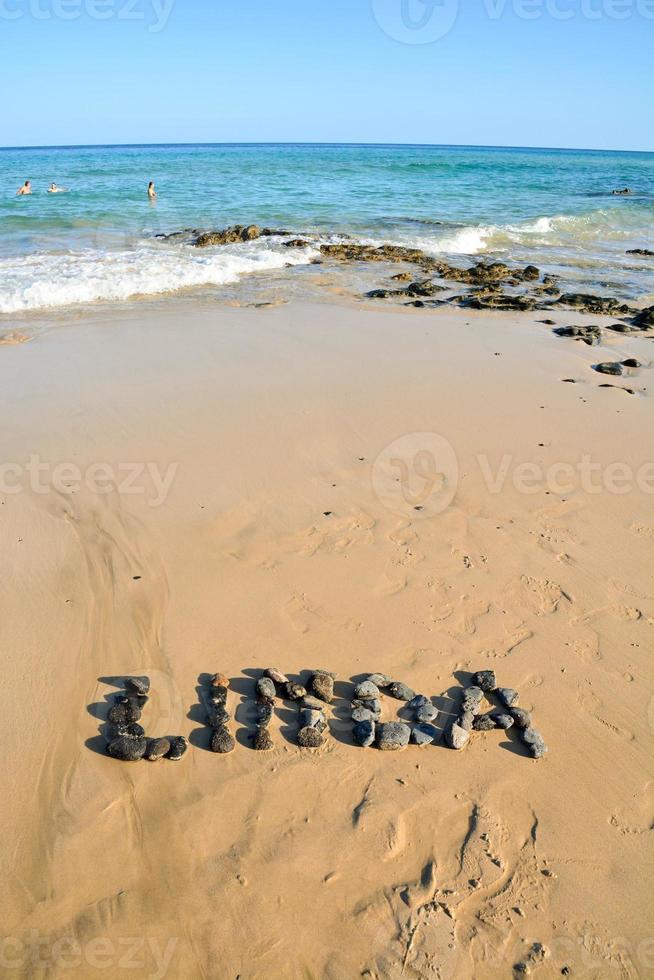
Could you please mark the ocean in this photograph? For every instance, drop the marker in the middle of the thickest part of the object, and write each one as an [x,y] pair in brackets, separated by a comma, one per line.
[97,244]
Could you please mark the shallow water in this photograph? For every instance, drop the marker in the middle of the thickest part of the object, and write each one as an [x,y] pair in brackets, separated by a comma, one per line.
[96,243]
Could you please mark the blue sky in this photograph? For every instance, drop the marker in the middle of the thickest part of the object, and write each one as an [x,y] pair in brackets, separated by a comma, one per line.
[508,72]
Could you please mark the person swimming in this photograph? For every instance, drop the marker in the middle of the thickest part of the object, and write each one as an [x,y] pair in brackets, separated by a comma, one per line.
[152,194]
[622,193]
[53,189]
[25,189]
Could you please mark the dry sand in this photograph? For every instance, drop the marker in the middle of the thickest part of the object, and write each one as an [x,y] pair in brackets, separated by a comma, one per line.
[340,863]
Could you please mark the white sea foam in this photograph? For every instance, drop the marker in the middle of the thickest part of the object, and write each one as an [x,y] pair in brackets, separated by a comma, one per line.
[46,280]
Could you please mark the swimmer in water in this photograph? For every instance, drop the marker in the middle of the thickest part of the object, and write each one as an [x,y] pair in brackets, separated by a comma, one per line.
[25,189]
[152,194]
[53,189]
[622,193]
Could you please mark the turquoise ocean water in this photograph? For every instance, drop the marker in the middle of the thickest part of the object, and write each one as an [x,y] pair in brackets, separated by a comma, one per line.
[97,242]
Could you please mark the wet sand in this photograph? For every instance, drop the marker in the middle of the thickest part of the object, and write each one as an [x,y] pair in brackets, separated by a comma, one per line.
[263,526]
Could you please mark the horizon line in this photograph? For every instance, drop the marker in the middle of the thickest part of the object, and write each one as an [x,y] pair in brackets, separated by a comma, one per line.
[461,146]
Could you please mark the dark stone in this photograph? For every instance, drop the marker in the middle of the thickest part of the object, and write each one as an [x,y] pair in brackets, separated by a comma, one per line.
[534,742]
[322,685]
[644,320]
[262,741]
[217,717]
[588,335]
[123,714]
[485,679]
[138,685]
[127,749]
[222,742]
[420,701]
[156,749]
[217,696]
[393,736]
[131,700]
[426,714]
[424,734]
[400,691]
[502,720]
[644,252]
[276,676]
[264,713]
[631,362]
[380,680]
[228,236]
[472,699]
[363,714]
[466,721]
[310,738]
[483,723]
[266,688]
[125,731]
[521,717]
[178,747]
[597,305]
[367,691]
[609,367]
[507,696]
[297,243]
[531,273]
[310,718]
[364,734]
[295,692]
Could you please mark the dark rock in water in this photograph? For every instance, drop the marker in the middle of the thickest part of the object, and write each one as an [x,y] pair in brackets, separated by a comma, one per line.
[644,252]
[127,749]
[380,680]
[381,293]
[217,717]
[472,698]
[139,685]
[507,696]
[222,742]
[400,691]
[264,713]
[598,305]
[123,714]
[364,734]
[276,676]
[483,723]
[367,691]
[295,692]
[521,717]
[485,679]
[217,696]
[178,747]
[310,738]
[424,288]
[589,335]
[609,367]
[262,741]
[502,720]
[266,688]
[228,236]
[534,742]
[424,734]
[531,273]
[297,243]
[403,277]
[420,701]
[644,320]
[457,737]
[322,685]
[466,720]
[310,718]
[393,736]
[363,714]
[156,749]
[426,714]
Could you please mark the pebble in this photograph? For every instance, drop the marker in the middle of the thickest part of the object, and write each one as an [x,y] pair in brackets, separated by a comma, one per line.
[310,718]
[123,714]
[457,737]
[262,741]
[126,731]
[315,703]
[380,680]
[420,701]
[400,691]
[156,749]
[426,714]
[393,736]
[373,705]
[485,679]
[472,698]
[363,714]
[275,675]
[127,749]
[424,735]
[521,717]
[507,696]
[266,688]
[534,742]
[217,696]
[466,721]
[367,691]
[502,720]
[217,717]
[364,733]
[484,723]
[178,747]
[222,742]
[309,738]
[131,700]
[264,714]
[322,685]
[219,680]
[139,685]
[295,692]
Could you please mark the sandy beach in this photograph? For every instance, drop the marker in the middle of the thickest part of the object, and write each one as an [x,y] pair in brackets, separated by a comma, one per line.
[228,504]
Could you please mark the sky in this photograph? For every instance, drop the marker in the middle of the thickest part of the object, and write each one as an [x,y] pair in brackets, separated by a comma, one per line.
[564,73]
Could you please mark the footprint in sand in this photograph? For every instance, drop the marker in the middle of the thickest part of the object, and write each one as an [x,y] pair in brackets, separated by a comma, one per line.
[302,615]
[593,706]
[637,818]
[642,530]
[538,595]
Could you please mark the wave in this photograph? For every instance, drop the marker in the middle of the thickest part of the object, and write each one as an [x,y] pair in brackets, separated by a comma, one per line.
[43,281]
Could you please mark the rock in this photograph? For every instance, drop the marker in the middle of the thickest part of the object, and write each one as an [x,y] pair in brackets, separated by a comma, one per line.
[315,703]
[364,734]
[367,691]
[262,741]
[222,742]
[589,335]
[310,718]
[229,236]
[178,747]
[217,717]
[403,277]
[131,700]
[502,720]
[485,679]
[466,721]
[457,737]
[374,705]
[276,676]
[156,749]
[521,717]
[219,680]
[483,723]
[597,305]
[644,320]
[127,749]
[297,243]
[266,688]
[426,714]
[472,698]
[264,714]
[609,367]
[363,714]
[380,680]
[507,696]
[295,692]
[620,327]
[400,691]
[393,736]
[644,252]
[322,685]
[123,714]
[534,742]
[419,701]
[631,362]
[217,696]
[531,273]
[124,730]
[424,735]
[310,738]
[139,685]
